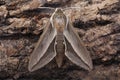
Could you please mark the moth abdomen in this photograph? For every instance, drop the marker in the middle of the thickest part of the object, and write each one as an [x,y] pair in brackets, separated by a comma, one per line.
[60,49]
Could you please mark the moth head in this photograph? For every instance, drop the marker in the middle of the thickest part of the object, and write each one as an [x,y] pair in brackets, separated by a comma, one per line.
[59,19]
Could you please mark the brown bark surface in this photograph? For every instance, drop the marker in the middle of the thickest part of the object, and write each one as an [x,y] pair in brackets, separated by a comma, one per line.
[22,23]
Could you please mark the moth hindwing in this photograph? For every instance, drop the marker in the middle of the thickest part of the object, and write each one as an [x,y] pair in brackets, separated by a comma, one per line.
[58,39]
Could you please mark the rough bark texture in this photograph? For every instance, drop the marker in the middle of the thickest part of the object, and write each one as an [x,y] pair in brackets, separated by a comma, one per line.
[22,23]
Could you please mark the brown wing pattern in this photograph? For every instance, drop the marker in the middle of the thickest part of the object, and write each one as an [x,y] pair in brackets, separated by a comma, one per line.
[44,50]
[77,53]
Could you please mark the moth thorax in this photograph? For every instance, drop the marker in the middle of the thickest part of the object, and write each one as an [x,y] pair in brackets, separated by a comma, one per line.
[59,21]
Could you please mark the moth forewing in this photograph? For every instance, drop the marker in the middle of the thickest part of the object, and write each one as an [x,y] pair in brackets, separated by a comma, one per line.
[71,55]
[80,51]
[47,57]
[43,48]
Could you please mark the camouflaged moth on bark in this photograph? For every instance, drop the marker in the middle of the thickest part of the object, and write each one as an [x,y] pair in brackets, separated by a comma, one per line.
[58,39]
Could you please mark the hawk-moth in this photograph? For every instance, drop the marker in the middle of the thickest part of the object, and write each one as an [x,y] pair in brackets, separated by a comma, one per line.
[59,38]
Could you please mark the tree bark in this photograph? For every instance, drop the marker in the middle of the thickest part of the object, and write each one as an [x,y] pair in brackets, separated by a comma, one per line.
[97,23]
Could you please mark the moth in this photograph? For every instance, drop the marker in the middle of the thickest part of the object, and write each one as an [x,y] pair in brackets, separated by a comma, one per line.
[59,39]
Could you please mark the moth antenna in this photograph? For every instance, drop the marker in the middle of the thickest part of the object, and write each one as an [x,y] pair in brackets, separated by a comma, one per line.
[71,8]
[47,8]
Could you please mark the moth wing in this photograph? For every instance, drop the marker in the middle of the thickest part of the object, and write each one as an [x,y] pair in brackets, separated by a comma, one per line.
[75,51]
[73,57]
[44,50]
